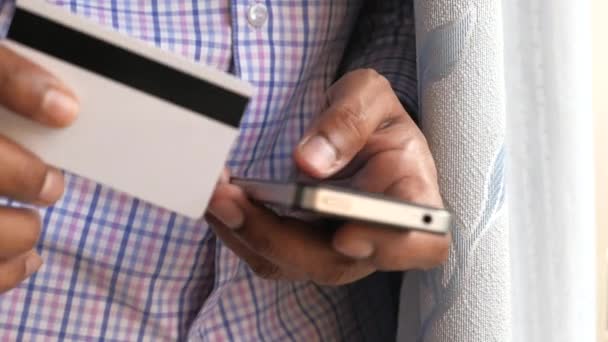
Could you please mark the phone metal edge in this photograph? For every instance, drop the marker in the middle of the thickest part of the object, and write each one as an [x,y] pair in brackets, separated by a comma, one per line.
[399,215]
[271,192]
[339,203]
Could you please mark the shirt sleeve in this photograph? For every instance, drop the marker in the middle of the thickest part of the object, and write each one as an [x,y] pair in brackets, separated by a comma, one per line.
[7,8]
[384,40]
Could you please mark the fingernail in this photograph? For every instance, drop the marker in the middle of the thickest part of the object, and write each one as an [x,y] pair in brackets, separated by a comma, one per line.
[58,107]
[32,264]
[227,213]
[356,249]
[52,188]
[319,152]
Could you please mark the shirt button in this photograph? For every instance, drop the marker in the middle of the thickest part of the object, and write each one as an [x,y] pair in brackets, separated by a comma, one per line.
[257,15]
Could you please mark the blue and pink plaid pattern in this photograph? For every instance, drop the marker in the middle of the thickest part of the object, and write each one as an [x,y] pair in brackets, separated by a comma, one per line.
[117,269]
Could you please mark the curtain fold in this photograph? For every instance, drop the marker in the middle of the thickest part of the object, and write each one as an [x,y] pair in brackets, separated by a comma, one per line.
[505,99]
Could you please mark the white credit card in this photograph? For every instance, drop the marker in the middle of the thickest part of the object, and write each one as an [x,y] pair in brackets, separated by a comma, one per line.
[153,125]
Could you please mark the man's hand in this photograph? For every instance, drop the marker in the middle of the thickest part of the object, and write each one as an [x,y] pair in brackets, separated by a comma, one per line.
[32,92]
[364,138]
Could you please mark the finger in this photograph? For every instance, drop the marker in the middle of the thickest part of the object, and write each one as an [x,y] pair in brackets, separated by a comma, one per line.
[394,250]
[284,242]
[262,267]
[19,231]
[359,104]
[32,92]
[24,177]
[16,270]
[411,176]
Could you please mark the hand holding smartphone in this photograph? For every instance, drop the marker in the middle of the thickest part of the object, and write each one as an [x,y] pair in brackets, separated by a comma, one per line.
[341,203]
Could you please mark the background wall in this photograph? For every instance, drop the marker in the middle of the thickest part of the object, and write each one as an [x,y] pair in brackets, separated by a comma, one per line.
[600,56]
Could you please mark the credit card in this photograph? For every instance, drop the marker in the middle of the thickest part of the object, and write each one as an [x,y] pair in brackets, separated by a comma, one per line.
[152,124]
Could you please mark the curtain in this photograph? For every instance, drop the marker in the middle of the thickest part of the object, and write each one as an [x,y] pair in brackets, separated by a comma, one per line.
[505,96]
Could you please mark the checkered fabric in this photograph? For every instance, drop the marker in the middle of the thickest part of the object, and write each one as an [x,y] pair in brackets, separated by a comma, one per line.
[119,269]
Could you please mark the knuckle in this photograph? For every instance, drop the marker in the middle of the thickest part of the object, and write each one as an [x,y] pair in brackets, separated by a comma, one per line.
[379,80]
[411,250]
[23,84]
[29,176]
[369,73]
[393,258]
[336,274]
[328,278]
[437,255]
[8,86]
[416,156]
[378,83]
[6,68]
[262,244]
[265,270]
[31,229]
[418,189]
[351,120]
[14,71]
[19,231]
[415,146]
[442,251]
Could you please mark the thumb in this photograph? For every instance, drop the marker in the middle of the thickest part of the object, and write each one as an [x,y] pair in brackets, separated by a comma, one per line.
[359,103]
[335,139]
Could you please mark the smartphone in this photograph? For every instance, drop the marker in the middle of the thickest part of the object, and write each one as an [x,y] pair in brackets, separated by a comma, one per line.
[346,204]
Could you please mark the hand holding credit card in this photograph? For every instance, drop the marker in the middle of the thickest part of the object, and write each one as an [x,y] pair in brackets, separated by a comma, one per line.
[154,125]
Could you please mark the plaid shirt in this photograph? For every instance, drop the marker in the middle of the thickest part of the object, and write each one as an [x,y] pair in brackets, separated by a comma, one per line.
[118,269]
